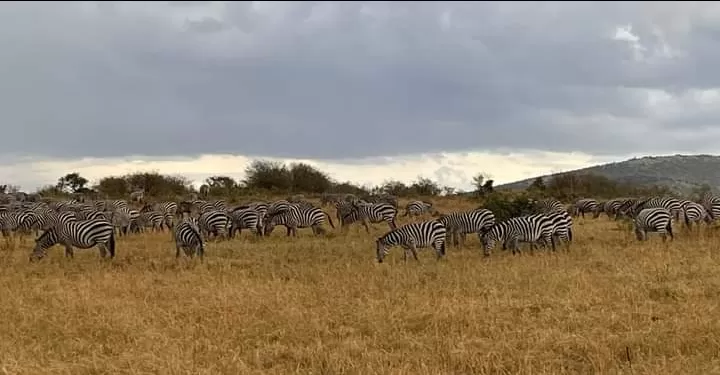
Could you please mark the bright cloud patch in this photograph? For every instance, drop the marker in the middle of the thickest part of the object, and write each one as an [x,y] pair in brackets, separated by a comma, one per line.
[449,169]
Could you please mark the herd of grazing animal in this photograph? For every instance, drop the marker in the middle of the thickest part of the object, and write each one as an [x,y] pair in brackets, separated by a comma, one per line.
[74,224]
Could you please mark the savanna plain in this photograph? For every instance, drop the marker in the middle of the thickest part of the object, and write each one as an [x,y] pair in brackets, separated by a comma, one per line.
[308,305]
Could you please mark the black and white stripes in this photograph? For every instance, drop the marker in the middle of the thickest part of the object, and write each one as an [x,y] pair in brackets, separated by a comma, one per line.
[531,229]
[412,237]
[657,219]
[81,234]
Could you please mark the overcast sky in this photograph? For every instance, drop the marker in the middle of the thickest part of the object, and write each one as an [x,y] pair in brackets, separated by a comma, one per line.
[340,84]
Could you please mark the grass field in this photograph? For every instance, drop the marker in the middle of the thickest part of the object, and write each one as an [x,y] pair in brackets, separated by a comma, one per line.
[324,306]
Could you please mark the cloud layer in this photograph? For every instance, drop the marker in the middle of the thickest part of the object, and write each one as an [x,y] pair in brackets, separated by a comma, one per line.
[321,80]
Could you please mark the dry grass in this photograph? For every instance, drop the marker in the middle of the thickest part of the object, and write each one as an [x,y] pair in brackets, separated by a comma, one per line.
[322,305]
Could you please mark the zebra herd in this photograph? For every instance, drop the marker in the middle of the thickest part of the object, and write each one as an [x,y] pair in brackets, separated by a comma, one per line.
[83,225]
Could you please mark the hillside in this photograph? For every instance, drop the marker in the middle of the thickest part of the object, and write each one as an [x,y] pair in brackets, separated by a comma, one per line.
[681,173]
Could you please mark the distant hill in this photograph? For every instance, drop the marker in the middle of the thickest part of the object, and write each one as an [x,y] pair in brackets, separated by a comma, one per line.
[681,173]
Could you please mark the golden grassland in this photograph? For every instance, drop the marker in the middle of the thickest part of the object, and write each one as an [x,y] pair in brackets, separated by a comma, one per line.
[324,306]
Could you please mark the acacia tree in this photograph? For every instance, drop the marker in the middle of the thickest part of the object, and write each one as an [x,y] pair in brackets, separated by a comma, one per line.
[72,183]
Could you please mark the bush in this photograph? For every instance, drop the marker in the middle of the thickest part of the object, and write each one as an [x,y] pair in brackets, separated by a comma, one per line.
[507,205]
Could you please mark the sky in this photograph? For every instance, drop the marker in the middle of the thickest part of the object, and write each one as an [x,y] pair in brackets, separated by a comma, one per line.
[368,92]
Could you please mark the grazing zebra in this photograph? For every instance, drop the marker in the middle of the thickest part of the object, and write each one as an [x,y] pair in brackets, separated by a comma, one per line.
[412,237]
[9,222]
[246,219]
[656,219]
[204,206]
[711,204]
[671,204]
[583,206]
[152,219]
[125,219]
[549,205]
[215,222]
[531,228]
[416,208]
[297,217]
[81,234]
[458,224]
[694,213]
[371,213]
[343,208]
[188,238]
[562,227]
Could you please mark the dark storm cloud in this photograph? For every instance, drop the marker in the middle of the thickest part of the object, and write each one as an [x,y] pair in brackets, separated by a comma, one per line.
[343,80]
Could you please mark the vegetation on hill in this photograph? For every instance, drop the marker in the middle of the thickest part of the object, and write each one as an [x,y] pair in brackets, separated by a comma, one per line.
[266,178]
[683,174]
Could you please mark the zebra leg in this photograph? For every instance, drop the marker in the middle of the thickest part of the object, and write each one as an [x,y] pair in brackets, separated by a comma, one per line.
[201,252]
[413,249]
[103,250]
[365,223]
[69,251]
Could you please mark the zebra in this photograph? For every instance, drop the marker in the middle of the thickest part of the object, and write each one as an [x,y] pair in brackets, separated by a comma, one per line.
[457,224]
[694,213]
[549,205]
[9,222]
[411,237]
[416,208]
[383,198]
[343,208]
[246,218]
[152,219]
[297,217]
[74,233]
[125,219]
[562,227]
[188,238]
[656,219]
[531,228]
[583,206]
[711,204]
[671,204]
[372,213]
[204,206]
[215,222]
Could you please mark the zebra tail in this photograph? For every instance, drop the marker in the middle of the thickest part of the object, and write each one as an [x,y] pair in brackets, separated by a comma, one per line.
[570,234]
[442,248]
[330,220]
[111,244]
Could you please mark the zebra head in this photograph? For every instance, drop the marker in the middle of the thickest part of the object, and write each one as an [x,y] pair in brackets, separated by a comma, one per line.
[269,224]
[42,243]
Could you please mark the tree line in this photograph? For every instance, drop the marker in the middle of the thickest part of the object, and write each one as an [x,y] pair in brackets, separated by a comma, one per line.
[273,178]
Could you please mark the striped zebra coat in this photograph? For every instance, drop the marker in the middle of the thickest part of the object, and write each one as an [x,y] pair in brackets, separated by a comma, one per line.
[81,234]
[371,213]
[188,238]
[657,219]
[218,223]
[583,206]
[412,237]
[297,217]
[246,218]
[562,227]
[417,208]
[695,213]
[458,224]
[531,229]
